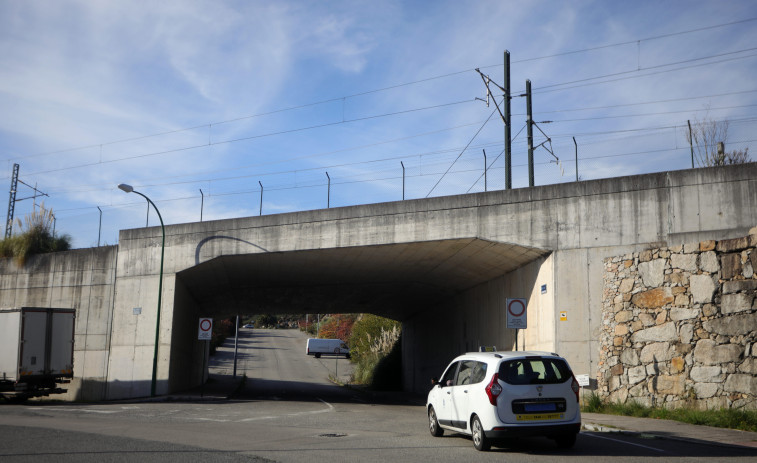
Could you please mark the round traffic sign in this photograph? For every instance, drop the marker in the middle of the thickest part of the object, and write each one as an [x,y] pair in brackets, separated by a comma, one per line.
[205,324]
[513,309]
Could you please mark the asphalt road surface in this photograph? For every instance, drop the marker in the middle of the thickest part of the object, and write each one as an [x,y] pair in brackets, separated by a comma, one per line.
[290,412]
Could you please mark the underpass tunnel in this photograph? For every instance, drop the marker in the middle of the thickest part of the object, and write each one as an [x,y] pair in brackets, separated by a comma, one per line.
[424,285]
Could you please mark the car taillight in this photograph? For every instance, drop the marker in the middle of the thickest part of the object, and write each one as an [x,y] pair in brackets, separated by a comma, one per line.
[493,390]
[576,388]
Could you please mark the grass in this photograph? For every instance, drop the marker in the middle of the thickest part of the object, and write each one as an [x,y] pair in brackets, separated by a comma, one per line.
[745,420]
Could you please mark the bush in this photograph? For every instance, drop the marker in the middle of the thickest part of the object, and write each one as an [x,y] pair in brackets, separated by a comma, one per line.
[368,335]
[265,320]
[387,374]
[375,348]
[35,237]
[337,326]
[221,330]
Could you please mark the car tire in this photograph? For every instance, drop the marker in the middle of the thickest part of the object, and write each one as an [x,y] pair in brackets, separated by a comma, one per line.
[433,423]
[480,441]
[566,441]
[317,356]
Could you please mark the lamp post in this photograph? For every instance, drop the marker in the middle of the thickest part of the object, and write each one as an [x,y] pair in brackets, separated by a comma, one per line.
[129,189]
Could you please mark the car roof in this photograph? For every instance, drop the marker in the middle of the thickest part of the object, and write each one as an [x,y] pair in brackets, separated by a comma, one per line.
[504,355]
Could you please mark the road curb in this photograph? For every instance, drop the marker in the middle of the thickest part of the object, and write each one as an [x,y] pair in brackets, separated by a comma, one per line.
[606,429]
[599,428]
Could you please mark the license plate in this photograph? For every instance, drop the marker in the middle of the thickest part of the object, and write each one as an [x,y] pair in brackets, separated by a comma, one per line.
[541,416]
[537,407]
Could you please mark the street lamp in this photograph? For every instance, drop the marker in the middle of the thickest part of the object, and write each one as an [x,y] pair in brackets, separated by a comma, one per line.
[129,189]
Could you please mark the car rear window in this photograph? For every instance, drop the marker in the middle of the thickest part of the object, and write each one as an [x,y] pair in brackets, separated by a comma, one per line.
[536,370]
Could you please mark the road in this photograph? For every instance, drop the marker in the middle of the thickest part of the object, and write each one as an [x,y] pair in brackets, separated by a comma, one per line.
[290,412]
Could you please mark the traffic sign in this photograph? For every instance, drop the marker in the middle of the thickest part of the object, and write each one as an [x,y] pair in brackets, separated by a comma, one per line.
[206,329]
[516,313]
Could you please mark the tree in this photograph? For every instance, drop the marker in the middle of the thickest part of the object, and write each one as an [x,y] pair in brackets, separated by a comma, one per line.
[708,138]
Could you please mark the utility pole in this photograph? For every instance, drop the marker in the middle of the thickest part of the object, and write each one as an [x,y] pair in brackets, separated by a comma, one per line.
[261,197]
[485,166]
[691,144]
[505,116]
[576,144]
[100,228]
[403,180]
[12,202]
[328,193]
[529,124]
[202,203]
[508,157]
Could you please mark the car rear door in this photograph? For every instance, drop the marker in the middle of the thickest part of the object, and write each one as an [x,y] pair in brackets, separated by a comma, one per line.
[536,390]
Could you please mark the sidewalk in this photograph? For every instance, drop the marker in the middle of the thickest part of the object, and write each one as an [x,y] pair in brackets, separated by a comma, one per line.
[221,383]
[218,387]
[668,429]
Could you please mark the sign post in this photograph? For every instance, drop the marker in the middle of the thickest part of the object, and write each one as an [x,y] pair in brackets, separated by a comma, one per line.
[205,333]
[516,316]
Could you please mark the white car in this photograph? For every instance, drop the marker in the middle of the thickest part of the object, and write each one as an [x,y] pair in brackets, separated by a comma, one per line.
[497,395]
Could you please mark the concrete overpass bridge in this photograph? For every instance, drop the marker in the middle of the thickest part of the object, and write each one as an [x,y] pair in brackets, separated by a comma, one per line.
[442,266]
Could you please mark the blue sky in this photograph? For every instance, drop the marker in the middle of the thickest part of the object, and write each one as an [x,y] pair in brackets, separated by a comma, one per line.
[175,97]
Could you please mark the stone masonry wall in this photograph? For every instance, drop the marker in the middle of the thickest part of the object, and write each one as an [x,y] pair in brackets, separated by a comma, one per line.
[680,325]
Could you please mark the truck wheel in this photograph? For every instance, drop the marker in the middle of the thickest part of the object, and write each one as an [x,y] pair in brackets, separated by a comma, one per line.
[318,355]
[480,441]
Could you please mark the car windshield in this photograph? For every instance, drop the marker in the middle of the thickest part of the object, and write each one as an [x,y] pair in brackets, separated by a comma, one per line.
[534,370]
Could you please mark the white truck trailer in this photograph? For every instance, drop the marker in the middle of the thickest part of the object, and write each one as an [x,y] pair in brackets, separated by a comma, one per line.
[36,351]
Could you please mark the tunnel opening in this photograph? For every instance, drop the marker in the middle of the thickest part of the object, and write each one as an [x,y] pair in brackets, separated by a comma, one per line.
[413,283]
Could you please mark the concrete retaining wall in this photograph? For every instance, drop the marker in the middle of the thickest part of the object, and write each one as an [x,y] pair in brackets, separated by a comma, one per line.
[477,318]
[82,279]
[680,325]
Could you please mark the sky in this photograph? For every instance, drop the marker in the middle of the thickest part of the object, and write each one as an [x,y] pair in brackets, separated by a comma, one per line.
[224,109]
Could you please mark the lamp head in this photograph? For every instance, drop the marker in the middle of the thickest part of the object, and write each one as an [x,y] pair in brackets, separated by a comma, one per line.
[126,188]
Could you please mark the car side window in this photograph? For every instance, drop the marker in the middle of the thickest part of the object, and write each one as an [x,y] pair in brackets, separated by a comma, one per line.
[479,373]
[449,376]
[471,372]
[463,376]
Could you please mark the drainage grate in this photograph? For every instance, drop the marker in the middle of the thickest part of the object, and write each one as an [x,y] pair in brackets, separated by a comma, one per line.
[333,434]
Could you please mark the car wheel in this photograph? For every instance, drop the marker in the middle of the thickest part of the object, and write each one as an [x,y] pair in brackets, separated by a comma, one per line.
[480,441]
[317,356]
[433,423]
[566,441]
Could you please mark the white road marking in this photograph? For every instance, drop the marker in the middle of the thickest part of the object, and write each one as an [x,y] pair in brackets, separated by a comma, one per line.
[330,408]
[85,410]
[624,442]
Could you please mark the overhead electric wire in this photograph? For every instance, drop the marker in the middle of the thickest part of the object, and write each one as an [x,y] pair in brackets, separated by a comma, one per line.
[435,173]
[660,113]
[371,117]
[406,156]
[541,88]
[632,42]
[670,100]
[461,152]
[391,87]
[269,134]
